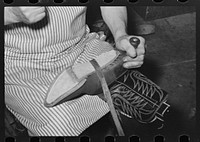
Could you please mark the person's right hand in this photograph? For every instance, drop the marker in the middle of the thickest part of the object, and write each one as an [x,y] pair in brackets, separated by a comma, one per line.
[26,14]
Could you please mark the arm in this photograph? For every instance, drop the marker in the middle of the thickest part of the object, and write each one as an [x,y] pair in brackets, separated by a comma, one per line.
[116,19]
[9,18]
[24,14]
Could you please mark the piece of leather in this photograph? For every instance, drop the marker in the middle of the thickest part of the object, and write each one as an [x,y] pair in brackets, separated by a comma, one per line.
[92,86]
[108,97]
[136,96]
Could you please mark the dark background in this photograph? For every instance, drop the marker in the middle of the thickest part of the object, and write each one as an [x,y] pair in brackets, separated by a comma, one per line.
[170,62]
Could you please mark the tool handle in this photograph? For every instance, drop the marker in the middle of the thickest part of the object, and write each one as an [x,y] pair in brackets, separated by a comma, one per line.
[134,41]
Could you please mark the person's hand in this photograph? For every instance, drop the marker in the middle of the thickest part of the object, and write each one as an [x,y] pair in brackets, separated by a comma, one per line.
[135,56]
[26,14]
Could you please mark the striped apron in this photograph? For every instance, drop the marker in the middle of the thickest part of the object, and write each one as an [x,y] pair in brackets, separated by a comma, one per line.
[33,56]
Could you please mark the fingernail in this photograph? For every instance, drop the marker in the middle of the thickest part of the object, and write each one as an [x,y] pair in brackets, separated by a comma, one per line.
[125,65]
[125,60]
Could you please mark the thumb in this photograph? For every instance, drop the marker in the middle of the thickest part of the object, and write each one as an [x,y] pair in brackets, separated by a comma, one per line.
[130,50]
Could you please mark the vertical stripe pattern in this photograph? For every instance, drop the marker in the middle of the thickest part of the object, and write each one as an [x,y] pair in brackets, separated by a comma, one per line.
[34,55]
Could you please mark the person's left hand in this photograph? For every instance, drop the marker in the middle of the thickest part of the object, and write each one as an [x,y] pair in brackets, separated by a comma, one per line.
[135,56]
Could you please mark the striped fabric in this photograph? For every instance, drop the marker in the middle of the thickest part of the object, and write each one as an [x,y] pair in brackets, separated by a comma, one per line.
[34,55]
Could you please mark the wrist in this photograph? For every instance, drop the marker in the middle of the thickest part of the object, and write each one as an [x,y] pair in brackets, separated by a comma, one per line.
[119,35]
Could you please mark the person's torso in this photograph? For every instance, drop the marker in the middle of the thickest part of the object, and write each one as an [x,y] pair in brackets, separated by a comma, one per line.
[62,28]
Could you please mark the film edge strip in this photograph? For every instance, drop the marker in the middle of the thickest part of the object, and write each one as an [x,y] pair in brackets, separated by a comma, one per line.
[109,138]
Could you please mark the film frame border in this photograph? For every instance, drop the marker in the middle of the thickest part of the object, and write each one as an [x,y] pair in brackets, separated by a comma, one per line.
[101,2]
